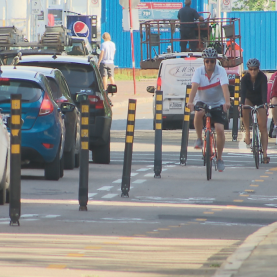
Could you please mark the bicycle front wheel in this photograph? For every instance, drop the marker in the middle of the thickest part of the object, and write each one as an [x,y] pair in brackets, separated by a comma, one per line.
[256,145]
[208,155]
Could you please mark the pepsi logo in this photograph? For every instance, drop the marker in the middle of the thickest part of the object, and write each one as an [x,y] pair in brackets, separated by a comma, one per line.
[80,29]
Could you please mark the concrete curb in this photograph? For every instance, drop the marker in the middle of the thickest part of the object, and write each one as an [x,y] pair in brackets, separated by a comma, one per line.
[125,102]
[234,262]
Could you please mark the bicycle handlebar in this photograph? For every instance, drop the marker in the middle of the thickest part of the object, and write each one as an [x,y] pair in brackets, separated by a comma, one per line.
[207,108]
[254,108]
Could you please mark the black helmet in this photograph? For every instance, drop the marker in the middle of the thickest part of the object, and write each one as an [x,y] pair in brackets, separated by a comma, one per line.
[209,53]
[253,63]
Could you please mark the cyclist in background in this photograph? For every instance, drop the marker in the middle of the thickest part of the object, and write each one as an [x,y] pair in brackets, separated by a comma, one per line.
[254,92]
[210,82]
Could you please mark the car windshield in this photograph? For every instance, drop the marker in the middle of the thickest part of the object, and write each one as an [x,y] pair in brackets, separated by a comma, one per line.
[76,49]
[29,90]
[78,76]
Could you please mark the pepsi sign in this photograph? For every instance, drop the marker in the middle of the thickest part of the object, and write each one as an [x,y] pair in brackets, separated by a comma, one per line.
[80,25]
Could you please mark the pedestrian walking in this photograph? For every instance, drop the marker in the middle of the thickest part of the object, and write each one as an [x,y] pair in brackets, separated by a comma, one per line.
[106,60]
[187,31]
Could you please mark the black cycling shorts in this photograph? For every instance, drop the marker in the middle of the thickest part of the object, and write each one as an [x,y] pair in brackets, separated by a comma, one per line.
[217,114]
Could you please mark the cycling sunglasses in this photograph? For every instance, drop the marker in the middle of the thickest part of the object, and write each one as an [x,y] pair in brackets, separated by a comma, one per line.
[253,69]
[210,61]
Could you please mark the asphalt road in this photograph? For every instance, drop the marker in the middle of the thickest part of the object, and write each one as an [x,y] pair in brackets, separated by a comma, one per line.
[178,225]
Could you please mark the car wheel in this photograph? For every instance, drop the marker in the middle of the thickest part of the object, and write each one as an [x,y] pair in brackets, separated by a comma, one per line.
[52,170]
[69,158]
[77,160]
[61,166]
[101,154]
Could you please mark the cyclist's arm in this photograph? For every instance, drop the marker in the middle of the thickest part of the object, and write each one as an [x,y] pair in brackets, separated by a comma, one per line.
[242,90]
[194,87]
[264,90]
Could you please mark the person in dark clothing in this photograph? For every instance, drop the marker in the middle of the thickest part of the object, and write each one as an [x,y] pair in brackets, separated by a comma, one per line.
[254,92]
[187,31]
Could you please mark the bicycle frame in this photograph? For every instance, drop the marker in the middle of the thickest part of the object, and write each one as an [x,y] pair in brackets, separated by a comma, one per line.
[212,140]
[209,146]
[256,146]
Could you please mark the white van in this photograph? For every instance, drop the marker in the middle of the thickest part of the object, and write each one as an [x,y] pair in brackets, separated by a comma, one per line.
[173,78]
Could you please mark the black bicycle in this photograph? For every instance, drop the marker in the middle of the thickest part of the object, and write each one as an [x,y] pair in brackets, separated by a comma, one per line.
[256,145]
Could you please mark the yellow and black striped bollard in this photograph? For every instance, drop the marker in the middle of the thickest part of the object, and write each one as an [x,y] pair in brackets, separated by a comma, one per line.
[185,130]
[128,152]
[84,156]
[158,134]
[235,110]
[15,159]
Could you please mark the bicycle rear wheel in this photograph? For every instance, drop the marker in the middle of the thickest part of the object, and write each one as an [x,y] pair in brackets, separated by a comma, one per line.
[208,155]
[256,145]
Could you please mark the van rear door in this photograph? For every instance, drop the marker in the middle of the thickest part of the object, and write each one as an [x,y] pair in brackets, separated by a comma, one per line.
[176,75]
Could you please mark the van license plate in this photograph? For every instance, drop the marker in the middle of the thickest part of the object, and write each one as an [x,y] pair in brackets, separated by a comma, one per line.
[175,105]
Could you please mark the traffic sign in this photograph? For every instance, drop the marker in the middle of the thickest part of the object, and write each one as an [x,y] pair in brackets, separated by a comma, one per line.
[125,3]
[226,5]
[36,7]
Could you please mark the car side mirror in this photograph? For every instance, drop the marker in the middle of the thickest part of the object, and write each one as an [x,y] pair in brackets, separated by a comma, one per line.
[150,89]
[67,107]
[9,122]
[80,97]
[112,88]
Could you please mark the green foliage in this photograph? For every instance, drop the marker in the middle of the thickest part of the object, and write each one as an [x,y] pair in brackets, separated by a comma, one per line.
[254,5]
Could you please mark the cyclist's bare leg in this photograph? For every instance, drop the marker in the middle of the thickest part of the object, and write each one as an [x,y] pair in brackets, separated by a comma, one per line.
[220,139]
[198,123]
[246,121]
[262,121]
[274,110]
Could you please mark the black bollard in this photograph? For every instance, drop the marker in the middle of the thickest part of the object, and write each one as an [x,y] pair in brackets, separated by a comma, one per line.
[128,152]
[235,110]
[15,159]
[185,130]
[84,155]
[158,134]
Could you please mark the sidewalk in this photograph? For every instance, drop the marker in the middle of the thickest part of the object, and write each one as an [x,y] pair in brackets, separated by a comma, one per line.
[125,91]
[256,257]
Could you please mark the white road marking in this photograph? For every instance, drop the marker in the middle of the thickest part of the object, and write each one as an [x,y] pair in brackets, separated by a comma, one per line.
[29,215]
[130,188]
[134,174]
[90,195]
[139,181]
[143,169]
[157,199]
[118,181]
[51,216]
[110,195]
[149,175]
[105,188]
[170,166]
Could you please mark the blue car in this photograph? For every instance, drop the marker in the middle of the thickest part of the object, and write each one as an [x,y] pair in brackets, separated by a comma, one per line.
[43,130]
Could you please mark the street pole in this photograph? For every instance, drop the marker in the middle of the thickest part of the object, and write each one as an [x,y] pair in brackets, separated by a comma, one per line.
[132,44]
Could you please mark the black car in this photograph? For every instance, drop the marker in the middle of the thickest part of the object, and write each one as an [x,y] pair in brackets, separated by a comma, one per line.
[82,76]
[62,94]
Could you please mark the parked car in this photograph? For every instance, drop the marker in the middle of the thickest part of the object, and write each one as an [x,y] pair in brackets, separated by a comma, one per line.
[173,77]
[80,46]
[43,130]
[62,94]
[82,76]
[4,163]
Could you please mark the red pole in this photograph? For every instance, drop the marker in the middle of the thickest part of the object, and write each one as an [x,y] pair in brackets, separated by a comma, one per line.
[132,44]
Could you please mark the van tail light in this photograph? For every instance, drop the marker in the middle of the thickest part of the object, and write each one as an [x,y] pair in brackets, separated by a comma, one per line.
[159,83]
[48,145]
[46,106]
[96,101]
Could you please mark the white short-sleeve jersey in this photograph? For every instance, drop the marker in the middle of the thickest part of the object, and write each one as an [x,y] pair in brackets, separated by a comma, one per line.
[209,90]
[109,49]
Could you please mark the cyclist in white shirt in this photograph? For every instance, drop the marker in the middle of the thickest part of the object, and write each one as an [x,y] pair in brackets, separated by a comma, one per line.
[210,82]
[106,60]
